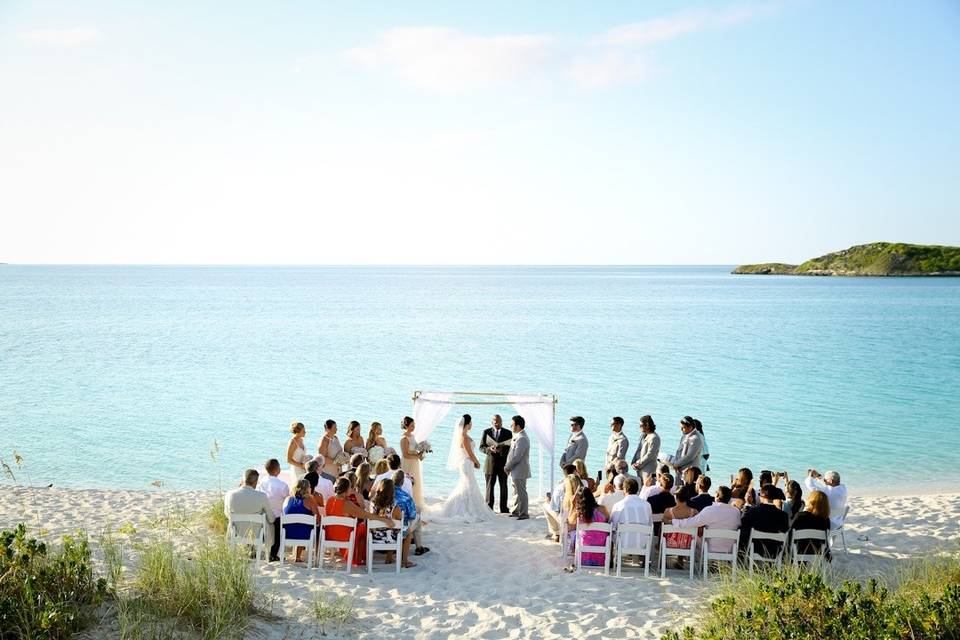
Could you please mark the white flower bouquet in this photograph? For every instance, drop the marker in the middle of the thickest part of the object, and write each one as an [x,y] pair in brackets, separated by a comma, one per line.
[424,448]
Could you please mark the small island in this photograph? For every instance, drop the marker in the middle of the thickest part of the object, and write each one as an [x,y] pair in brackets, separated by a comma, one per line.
[874,259]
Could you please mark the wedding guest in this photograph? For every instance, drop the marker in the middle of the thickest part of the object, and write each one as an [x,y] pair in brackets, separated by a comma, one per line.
[393,465]
[356,460]
[386,505]
[664,499]
[676,539]
[740,487]
[376,444]
[331,449]
[720,515]
[793,505]
[829,484]
[410,461]
[587,511]
[631,510]
[573,485]
[300,503]
[767,477]
[276,491]
[246,500]
[411,517]
[577,445]
[296,450]
[381,468]
[618,444]
[645,459]
[764,517]
[553,504]
[316,498]
[690,449]
[588,482]
[651,486]
[615,495]
[354,494]
[815,516]
[703,499]
[321,482]
[364,479]
[341,505]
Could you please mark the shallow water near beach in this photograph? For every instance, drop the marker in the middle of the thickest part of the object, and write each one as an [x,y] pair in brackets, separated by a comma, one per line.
[121,376]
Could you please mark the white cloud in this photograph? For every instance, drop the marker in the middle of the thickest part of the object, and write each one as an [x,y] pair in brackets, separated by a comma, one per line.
[76,36]
[607,68]
[447,59]
[657,30]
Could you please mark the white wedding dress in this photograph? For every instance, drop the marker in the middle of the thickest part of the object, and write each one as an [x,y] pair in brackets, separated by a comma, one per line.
[466,502]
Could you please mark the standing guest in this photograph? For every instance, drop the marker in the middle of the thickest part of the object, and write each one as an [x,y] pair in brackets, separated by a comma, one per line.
[364,479]
[793,505]
[410,460]
[319,481]
[815,516]
[300,503]
[376,444]
[740,487]
[664,499]
[495,443]
[296,450]
[764,517]
[553,504]
[276,490]
[631,510]
[651,486]
[645,459]
[703,499]
[330,448]
[354,442]
[341,505]
[588,482]
[615,494]
[829,484]
[691,446]
[618,444]
[411,517]
[680,511]
[246,500]
[720,515]
[587,511]
[577,445]
[517,467]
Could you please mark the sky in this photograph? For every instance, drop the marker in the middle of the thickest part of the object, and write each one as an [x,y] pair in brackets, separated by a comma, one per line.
[475,133]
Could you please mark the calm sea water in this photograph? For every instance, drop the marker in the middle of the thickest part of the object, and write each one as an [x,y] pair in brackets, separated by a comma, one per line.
[119,376]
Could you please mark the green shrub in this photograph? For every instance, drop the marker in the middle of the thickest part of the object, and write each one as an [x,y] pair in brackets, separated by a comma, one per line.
[215,517]
[44,594]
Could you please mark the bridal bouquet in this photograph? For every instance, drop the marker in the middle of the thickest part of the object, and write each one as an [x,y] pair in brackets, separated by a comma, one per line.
[425,447]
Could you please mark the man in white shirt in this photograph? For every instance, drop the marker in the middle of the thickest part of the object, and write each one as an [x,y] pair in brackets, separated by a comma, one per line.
[720,515]
[277,491]
[609,499]
[829,483]
[631,510]
[650,487]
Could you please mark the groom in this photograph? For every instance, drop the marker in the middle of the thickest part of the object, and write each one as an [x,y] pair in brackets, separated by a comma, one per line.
[496,443]
[518,466]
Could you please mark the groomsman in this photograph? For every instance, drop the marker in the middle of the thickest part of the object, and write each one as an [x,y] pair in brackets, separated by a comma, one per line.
[617,445]
[518,466]
[577,445]
[496,444]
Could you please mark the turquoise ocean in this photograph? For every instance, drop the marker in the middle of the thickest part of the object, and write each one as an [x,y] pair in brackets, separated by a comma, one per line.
[120,376]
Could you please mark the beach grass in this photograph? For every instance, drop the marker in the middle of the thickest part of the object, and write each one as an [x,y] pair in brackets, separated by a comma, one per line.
[331,610]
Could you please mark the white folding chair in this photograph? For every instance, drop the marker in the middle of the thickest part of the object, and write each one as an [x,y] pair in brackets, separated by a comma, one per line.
[656,518]
[776,560]
[250,534]
[564,534]
[372,545]
[686,552]
[706,555]
[814,559]
[580,549]
[635,531]
[296,543]
[325,544]
[839,531]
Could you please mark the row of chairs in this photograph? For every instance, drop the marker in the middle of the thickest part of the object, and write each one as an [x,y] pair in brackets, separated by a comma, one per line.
[784,541]
[255,526]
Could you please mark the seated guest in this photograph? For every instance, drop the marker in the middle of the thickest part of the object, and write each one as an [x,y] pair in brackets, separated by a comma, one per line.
[793,505]
[631,510]
[829,484]
[411,519]
[319,481]
[381,469]
[573,485]
[276,490]
[393,465]
[587,511]
[588,482]
[355,496]
[364,481]
[690,477]
[553,504]
[721,515]
[740,487]
[767,477]
[622,468]
[764,517]
[615,494]
[356,460]
[342,505]
[703,499]
[246,500]
[651,486]
[676,539]
[385,505]
[663,500]
[321,470]
[815,516]
[300,503]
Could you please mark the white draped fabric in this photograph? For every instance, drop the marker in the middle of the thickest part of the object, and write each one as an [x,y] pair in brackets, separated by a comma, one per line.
[538,416]
[429,409]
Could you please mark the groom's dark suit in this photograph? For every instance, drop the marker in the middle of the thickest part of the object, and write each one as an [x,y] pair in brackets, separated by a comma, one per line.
[493,466]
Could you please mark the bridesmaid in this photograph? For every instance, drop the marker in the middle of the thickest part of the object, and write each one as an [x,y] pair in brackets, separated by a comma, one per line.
[296,450]
[376,443]
[330,448]
[410,459]
[354,438]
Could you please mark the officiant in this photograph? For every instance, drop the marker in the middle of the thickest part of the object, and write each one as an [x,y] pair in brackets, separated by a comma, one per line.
[495,443]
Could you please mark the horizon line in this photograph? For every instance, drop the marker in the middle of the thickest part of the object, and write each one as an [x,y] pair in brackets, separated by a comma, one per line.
[346,264]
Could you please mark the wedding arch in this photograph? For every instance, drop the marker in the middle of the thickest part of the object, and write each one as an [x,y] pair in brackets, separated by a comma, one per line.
[538,411]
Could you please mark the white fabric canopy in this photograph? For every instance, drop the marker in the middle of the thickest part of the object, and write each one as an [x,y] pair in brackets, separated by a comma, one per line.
[537,412]
[429,409]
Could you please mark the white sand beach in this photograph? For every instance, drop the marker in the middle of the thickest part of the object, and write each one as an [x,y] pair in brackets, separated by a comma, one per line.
[493,580]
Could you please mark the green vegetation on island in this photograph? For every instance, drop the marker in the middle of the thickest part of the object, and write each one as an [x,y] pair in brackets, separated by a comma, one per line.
[875,259]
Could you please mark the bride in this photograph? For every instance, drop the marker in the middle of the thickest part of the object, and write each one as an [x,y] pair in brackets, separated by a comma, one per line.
[466,502]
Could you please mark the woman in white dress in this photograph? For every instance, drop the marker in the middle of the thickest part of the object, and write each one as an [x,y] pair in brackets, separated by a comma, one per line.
[297,451]
[410,457]
[331,449]
[466,502]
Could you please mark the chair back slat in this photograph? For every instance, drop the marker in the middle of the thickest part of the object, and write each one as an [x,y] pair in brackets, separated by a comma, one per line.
[297,518]
[711,533]
[330,521]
